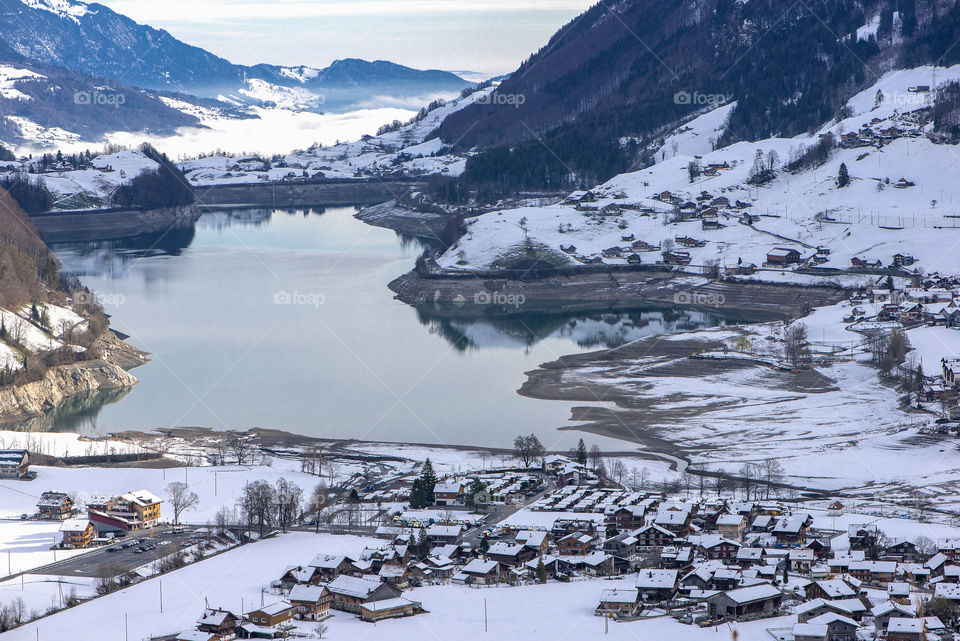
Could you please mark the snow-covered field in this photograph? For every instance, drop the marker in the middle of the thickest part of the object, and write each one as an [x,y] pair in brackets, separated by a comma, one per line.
[551,611]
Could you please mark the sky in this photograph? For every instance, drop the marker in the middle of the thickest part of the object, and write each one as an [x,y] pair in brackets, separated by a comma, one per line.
[488,37]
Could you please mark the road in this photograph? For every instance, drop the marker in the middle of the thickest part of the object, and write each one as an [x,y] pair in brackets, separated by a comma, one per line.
[122,561]
[498,513]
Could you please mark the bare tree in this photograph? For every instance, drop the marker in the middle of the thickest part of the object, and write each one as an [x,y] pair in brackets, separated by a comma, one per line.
[618,469]
[181,499]
[771,471]
[747,475]
[796,349]
[528,449]
[222,519]
[925,546]
[596,456]
[319,499]
[289,496]
[240,446]
[257,504]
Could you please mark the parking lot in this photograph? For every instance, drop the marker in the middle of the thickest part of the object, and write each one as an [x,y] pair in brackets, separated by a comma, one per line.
[125,559]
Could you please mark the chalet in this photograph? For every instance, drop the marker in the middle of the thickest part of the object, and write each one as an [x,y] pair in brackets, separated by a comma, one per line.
[628,238]
[14,464]
[312,602]
[852,608]
[141,507]
[951,368]
[835,509]
[751,602]
[936,564]
[657,585]
[571,474]
[884,612]
[634,259]
[568,249]
[783,256]
[628,517]
[654,536]
[688,241]
[55,505]
[831,589]
[902,260]
[800,560]
[640,245]
[328,567]
[480,572]
[444,534]
[576,544]
[350,592]
[731,526]
[830,626]
[612,209]
[710,171]
[903,551]
[623,545]
[389,609]
[222,623]
[272,615]
[296,575]
[903,183]
[676,258]
[197,635]
[763,523]
[534,539]
[612,252]
[580,197]
[77,533]
[511,554]
[793,528]
[750,556]
[906,629]
[448,493]
[717,547]
[618,602]
[709,224]
[862,535]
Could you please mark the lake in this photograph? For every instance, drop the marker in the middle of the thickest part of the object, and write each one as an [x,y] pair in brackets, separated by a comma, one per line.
[283,319]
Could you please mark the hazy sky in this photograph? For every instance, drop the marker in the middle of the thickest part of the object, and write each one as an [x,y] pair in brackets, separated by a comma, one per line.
[487,36]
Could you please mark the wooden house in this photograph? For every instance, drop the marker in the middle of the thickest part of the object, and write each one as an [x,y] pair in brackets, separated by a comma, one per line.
[272,614]
[312,602]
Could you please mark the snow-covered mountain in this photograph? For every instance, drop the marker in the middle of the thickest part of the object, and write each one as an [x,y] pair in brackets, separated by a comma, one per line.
[732,205]
[95,40]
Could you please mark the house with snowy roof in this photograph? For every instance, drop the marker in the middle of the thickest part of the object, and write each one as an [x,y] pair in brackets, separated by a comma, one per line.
[350,592]
[657,585]
[751,602]
[218,621]
[618,602]
[312,602]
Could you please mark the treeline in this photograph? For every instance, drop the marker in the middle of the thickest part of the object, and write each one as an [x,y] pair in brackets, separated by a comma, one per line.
[570,160]
[946,111]
[165,186]
[30,194]
[27,268]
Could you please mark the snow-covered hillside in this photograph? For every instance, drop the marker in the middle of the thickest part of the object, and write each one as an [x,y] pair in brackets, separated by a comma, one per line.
[902,198]
[403,150]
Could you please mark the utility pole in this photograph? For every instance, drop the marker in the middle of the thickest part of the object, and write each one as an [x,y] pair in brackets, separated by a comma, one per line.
[161,595]
[215,483]
[485,628]
[126,626]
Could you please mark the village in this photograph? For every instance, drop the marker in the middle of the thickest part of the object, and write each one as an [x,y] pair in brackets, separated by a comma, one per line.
[712,552]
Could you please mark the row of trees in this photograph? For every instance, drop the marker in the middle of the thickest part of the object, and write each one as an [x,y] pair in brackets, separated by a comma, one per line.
[264,507]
